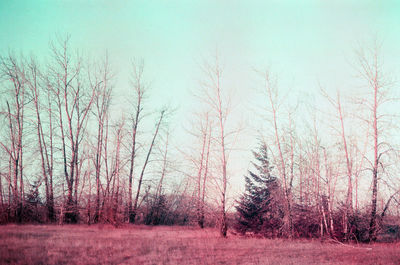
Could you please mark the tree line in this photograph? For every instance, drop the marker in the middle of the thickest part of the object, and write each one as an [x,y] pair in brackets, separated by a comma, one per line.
[327,181]
[66,156]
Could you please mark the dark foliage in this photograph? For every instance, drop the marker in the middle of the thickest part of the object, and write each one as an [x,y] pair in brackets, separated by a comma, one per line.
[359,226]
[33,210]
[71,214]
[259,208]
[166,210]
[306,221]
[157,212]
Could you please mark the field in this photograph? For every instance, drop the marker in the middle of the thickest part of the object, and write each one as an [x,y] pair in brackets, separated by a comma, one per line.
[73,244]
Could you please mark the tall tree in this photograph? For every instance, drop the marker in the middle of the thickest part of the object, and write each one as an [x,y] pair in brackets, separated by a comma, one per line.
[259,208]
[103,89]
[74,98]
[135,205]
[139,93]
[201,131]
[202,186]
[370,69]
[116,169]
[352,165]
[13,72]
[215,96]
[43,113]
[285,165]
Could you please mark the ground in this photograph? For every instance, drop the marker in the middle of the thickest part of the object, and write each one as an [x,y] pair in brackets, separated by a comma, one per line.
[79,244]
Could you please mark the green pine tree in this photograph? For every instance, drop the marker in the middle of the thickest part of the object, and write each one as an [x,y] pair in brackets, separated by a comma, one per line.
[259,208]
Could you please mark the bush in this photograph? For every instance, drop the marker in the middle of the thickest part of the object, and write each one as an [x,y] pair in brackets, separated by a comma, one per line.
[306,221]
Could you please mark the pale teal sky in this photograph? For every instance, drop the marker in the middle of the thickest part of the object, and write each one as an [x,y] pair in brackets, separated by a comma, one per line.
[303,41]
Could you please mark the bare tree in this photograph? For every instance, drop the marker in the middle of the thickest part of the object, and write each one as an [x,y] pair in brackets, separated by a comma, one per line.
[135,205]
[116,194]
[139,93]
[38,85]
[370,69]
[14,73]
[286,177]
[164,168]
[214,95]
[337,104]
[205,176]
[73,100]
[202,164]
[117,168]
[103,89]
[324,182]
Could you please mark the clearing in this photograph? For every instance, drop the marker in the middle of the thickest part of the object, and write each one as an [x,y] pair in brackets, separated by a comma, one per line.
[132,244]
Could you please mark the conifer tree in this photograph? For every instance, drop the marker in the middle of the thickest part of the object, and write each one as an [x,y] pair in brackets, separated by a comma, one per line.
[259,208]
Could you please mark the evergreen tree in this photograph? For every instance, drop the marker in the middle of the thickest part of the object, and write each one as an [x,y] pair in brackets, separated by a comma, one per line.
[259,208]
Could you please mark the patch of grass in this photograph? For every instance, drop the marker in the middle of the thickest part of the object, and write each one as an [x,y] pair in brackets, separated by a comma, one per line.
[79,244]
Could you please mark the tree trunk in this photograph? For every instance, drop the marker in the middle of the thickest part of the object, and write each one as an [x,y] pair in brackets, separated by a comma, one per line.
[133,215]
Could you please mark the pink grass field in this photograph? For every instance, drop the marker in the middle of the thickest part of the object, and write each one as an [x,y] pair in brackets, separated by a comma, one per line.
[101,244]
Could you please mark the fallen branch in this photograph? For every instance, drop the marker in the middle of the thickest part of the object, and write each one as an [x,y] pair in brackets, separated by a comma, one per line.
[347,245]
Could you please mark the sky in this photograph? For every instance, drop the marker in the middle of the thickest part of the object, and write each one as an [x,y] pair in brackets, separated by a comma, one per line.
[305,43]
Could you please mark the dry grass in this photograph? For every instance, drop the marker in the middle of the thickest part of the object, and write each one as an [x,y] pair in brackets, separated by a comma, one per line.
[67,244]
